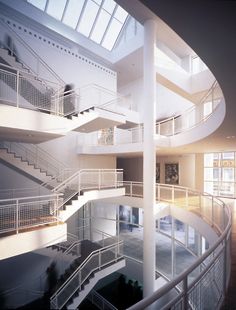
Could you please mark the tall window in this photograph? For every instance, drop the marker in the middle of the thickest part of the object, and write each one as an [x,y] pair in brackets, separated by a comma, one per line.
[219,174]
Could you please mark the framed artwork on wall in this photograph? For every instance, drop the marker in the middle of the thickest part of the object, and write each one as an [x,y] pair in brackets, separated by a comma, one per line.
[157,172]
[172,173]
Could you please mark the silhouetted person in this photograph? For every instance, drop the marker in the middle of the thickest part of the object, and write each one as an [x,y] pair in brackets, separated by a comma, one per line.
[68,102]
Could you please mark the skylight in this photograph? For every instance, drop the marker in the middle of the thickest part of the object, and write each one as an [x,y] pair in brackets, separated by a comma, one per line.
[99,20]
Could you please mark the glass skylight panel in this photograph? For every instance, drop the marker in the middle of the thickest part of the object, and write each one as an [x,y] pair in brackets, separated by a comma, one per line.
[100,27]
[40,4]
[109,6]
[120,14]
[98,2]
[112,34]
[99,20]
[73,12]
[56,8]
[88,18]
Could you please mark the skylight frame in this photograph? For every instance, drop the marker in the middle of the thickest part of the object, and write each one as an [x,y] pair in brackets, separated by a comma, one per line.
[94,24]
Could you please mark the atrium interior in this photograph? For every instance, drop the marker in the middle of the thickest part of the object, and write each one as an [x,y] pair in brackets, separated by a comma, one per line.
[117,154]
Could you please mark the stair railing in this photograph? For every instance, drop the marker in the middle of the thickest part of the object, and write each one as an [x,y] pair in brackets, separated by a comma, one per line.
[89,179]
[97,260]
[99,301]
[24,213]
[93,95]
[29,53]
[24,90]
[36,156]
[168,127]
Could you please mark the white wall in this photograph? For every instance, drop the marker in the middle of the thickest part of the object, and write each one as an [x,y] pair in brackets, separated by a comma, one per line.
[133,168]
[13,179]
[186,168]
[64,149]
[101,210]
[65,60]
[168,103]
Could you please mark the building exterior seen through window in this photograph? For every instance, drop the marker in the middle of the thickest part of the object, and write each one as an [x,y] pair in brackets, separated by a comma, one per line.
[219,174]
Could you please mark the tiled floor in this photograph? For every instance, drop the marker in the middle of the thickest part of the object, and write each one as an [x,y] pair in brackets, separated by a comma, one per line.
[133,246]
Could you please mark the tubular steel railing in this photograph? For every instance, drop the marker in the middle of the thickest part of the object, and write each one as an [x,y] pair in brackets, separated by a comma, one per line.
[189,119]
[25,212]
[36,156]
[89,179]
[38,65]
[99,301]
[97,260]
[209,286]
[24,90]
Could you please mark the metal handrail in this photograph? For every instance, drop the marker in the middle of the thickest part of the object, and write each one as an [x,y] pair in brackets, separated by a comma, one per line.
[32,52]
[183,276]
[169,286]
[35,155]
[79,270]
[170,122]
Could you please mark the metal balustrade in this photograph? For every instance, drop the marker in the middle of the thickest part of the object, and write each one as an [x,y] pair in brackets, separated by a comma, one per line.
[36,156]
[25,90]
[31,211]
[89,179]
[38,66]
[94,262]
[209,286]
[24,213]
[99,301]
[189,119]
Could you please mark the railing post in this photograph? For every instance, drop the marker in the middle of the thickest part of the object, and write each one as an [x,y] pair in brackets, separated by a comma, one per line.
[17,216]
[116,172]
[99,179]
[225,267]
[131,189]
[186,197]
[173,126]
[79,278]
[185,291]
[17,87]
[212,211]
[172,194]
[99,260]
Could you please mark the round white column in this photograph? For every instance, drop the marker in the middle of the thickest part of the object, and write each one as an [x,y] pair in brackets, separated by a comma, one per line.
[149,158]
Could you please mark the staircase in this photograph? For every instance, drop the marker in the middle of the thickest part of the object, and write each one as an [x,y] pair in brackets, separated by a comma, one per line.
[96,262]
[31,160]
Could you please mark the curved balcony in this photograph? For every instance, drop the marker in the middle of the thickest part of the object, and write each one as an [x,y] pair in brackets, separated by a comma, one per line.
[192,125]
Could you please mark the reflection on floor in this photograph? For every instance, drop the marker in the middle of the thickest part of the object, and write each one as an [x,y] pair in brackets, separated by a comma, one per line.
[133,247]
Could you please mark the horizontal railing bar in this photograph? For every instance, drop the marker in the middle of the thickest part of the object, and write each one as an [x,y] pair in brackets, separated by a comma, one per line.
[103,249]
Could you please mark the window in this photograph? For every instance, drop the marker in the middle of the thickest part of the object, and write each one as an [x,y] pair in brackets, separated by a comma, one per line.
[219,174]
[100,21]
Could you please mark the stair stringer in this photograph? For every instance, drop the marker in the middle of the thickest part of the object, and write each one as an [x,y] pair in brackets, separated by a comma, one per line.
[93,281]
[64,215]
[23,166]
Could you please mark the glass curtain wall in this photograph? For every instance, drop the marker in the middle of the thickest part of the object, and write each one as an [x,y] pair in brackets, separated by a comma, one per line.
[219,174]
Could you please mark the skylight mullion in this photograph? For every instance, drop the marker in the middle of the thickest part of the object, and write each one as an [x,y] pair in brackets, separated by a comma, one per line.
[96,18]
[81,14]
[65,8]
[46,6]
[120,33]
[105,32]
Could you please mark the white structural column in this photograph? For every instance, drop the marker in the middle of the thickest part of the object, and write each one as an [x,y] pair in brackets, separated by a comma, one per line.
[149,157]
